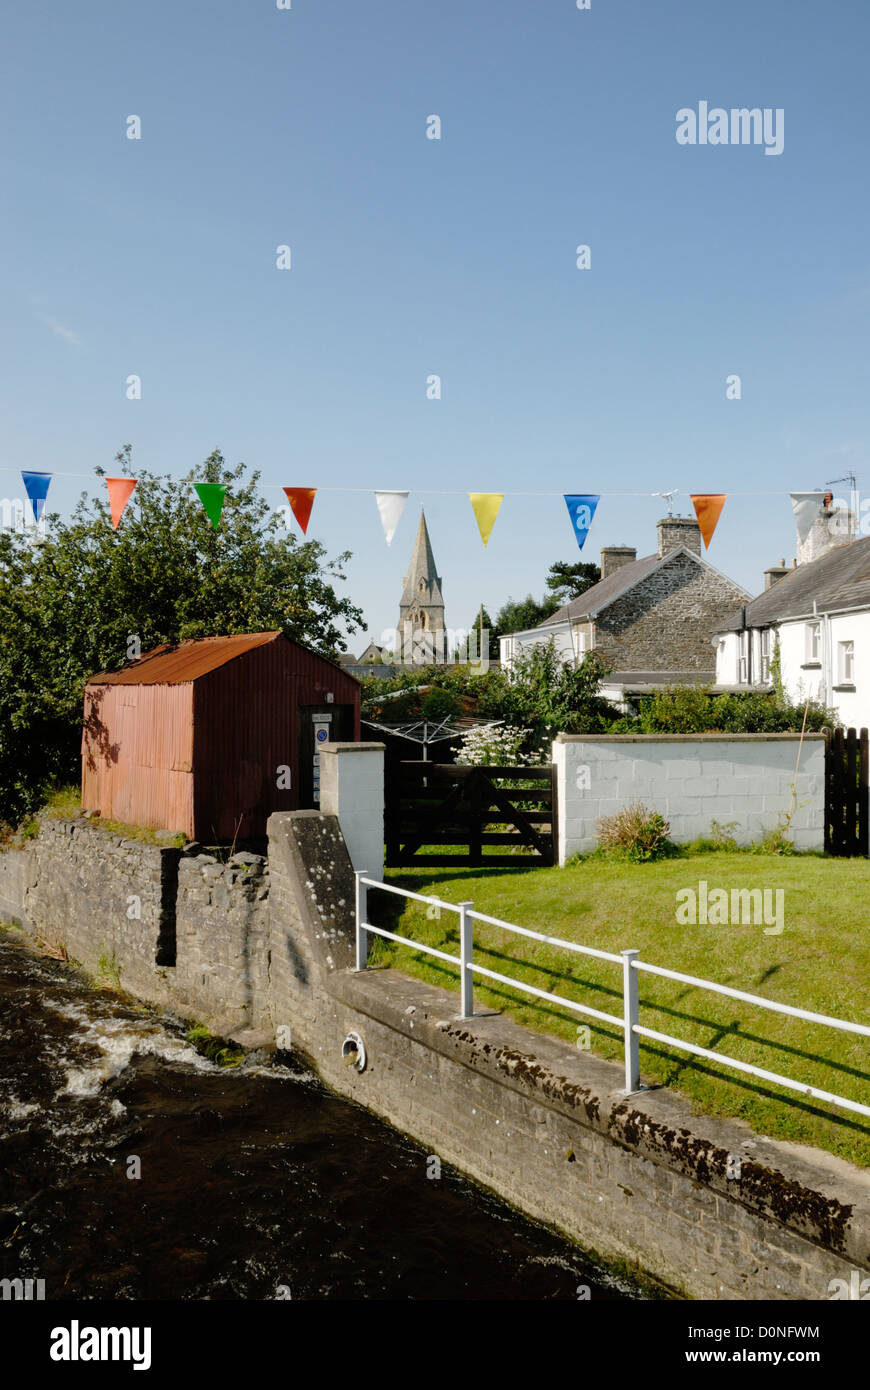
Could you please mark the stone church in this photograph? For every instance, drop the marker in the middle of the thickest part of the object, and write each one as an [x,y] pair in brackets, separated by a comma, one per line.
[422,603]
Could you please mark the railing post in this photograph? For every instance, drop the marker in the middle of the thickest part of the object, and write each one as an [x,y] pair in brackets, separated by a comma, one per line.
[466,951]
[362,936]
[630,1018]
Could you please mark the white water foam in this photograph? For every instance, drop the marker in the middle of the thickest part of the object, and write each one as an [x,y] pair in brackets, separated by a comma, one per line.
[118,1041]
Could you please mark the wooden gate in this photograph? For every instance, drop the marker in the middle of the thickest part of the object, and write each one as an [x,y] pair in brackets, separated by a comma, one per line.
[847,804]
[429,805]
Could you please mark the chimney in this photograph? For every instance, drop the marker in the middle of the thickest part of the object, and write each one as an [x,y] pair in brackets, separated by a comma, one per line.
[823,521]
[774,573]
[675,531]
[613,557]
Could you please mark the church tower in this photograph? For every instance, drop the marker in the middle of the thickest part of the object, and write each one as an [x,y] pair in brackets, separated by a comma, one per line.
[422,604]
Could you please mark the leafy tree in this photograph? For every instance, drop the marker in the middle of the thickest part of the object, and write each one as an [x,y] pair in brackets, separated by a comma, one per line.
[566,581]
[72,602]
[519,614]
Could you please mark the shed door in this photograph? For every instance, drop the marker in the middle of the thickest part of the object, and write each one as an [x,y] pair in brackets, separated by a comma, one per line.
[315,721]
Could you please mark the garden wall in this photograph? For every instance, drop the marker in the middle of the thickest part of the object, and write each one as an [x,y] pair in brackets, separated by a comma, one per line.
[692,779]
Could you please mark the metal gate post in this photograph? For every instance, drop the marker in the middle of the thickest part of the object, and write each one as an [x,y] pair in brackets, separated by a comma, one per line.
[466,951]
[362,936]
[630,1017]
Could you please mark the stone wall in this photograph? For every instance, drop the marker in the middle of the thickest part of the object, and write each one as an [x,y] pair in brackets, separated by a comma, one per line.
[221,973]
[638,1179]
[692,779]
[667,621]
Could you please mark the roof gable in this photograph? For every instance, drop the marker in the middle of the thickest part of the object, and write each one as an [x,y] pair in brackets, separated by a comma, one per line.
[627,577]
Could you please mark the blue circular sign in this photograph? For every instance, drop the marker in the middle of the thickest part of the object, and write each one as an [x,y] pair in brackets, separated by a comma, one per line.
[322,735]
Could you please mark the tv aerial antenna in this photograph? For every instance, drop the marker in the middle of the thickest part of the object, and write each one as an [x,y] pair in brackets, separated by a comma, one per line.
[853,497]
[669,498]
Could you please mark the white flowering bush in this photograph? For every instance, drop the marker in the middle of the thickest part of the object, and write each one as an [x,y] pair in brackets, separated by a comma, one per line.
[496,745]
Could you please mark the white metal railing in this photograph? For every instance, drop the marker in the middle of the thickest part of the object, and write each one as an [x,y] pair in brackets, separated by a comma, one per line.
[629,1023]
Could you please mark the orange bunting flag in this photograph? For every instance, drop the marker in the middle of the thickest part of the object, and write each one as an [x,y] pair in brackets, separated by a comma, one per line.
[301,501]
[486,505]
[120,492]
[708,509]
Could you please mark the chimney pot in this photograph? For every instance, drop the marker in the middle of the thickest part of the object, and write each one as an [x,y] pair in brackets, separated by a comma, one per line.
[613,557]
[677,531]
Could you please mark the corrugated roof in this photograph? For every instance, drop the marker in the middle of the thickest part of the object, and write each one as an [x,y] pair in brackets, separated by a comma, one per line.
[838,579]
[178,663]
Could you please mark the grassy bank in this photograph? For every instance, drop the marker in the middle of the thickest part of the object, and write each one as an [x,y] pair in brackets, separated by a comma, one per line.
[820,962]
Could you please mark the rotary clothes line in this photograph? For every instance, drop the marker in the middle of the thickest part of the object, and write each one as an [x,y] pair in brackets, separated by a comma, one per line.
[582,506]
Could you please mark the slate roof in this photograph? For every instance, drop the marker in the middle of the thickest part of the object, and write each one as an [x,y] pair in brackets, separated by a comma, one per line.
[606,591]
[838,579]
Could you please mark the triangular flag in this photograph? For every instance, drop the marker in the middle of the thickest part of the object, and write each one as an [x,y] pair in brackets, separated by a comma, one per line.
[301,501]
[211,495]
[120,492]
[807,506]
[708,509]
[390,505]
[486,505]
[36,487]
[581,509]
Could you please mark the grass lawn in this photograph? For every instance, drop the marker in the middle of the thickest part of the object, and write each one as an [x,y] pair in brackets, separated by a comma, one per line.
[820,962]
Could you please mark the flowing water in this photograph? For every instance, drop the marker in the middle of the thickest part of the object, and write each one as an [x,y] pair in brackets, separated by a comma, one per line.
[256,1182]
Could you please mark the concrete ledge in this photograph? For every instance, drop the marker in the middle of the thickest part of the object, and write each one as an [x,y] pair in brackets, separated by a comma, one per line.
[809,1193]
[685,738]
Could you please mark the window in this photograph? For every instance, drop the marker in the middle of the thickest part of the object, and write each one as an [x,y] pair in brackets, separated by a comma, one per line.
[765,654]
[846,662]
[814,642]
[743,659]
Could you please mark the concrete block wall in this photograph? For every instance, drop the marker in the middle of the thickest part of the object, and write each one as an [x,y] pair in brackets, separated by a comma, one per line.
[692,780]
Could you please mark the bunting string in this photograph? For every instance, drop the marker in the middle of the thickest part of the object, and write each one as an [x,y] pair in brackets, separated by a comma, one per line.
[486,506]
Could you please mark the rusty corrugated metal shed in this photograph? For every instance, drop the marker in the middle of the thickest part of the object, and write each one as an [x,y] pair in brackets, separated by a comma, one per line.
[196,736]
[175,664]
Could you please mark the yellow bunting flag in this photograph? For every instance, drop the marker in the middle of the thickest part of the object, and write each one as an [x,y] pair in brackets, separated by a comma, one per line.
[708,509]
[486,505]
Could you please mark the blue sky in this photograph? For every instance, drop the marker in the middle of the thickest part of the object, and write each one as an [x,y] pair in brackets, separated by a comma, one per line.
[410,257]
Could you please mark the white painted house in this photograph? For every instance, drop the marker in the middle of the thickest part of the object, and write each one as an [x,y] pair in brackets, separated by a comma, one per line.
[818,616]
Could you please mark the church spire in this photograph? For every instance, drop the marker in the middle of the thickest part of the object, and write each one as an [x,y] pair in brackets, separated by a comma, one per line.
[422,603]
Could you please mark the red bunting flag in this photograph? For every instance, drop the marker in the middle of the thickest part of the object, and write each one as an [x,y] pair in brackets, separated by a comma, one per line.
[708,509]
[301,501]
[120,492]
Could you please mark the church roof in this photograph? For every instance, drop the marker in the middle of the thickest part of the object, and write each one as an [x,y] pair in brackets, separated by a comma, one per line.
[422,567]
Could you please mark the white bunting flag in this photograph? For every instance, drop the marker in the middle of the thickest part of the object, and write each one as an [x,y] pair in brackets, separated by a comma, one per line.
[806,509]
[390,505]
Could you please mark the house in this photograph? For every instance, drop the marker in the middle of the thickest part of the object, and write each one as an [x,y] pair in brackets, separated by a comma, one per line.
[209,737]
[815,618]
[651,619]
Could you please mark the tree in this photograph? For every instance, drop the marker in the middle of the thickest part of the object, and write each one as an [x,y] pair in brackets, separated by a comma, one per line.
[79,602]
[566,581]
[518,614]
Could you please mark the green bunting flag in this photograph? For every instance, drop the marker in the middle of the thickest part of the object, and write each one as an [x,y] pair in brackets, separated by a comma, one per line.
[211,495]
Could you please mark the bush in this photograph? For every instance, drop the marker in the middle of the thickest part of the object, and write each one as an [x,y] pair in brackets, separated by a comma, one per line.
[692,709]
[635,833]
[495,745]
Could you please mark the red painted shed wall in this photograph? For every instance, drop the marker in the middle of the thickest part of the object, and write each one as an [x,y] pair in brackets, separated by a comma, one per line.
[137,755]
[203,756]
